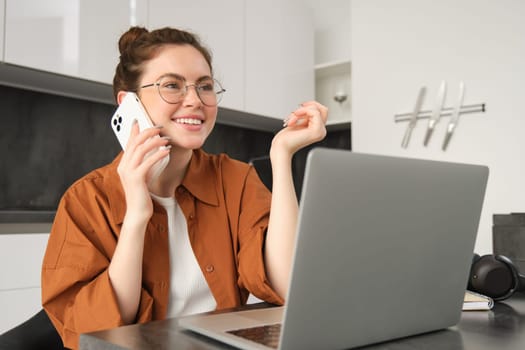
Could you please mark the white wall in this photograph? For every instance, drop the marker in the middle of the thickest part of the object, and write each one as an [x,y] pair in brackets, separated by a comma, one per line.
[2,25]
[398,46]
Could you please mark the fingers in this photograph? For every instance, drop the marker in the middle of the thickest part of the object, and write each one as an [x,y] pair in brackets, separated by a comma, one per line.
[137,137]
[143,150]
[149,153]
[310,113]
[302,127]
[323,110]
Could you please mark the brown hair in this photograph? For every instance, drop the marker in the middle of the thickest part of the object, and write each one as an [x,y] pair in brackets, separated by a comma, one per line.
[139,45]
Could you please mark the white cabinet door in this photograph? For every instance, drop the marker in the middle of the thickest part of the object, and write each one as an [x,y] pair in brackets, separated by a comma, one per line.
[20,267]
[21,260]
[332,31]
[72,37]
[2,21]
[263,50]
[18,306]
[279,56]
[220,25]
[101,23]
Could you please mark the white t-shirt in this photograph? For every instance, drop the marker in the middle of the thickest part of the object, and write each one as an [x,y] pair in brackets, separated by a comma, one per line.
[189,292]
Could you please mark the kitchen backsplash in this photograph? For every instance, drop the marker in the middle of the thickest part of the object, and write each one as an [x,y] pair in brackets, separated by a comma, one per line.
[49,141]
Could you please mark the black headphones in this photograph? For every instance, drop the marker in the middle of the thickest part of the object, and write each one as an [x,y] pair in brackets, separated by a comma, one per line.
[495,276]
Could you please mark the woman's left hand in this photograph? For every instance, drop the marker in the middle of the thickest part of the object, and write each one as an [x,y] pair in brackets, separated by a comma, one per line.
[302,127]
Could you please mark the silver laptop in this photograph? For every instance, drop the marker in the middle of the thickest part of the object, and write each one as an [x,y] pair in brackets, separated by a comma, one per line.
[383,251]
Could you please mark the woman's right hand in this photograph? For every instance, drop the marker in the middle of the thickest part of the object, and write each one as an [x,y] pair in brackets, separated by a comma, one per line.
[134,167]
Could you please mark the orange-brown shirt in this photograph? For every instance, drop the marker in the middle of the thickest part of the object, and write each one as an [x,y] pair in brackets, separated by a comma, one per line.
[226,208]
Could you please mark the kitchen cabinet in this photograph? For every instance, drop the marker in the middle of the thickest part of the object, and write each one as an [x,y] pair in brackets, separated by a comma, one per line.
[101,23]
[332,88]
[279,56]
[332,30]
[333,57]
[263,50]
[220,25]
[20,266]
[72,38]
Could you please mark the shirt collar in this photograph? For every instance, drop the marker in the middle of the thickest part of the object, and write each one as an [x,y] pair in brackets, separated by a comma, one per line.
[200,174]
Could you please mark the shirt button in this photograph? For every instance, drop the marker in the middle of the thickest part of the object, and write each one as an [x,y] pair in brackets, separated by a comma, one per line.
[162,229]
[192,216]
[209,268]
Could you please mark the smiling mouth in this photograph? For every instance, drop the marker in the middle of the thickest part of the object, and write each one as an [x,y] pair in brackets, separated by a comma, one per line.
[190,121]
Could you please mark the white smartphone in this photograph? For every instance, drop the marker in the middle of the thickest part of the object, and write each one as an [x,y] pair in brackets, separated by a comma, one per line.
[131,109]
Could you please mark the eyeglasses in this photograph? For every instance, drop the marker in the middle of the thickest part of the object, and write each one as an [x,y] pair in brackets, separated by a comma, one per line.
[172,89]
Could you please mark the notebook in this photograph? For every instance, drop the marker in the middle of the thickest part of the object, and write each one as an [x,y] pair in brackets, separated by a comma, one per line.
[476,302]
[383,251]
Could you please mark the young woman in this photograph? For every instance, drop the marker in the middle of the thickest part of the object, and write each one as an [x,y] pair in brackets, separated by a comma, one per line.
[200,236]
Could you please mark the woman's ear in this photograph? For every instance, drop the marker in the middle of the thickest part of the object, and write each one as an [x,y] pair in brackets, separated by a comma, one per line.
[120,96]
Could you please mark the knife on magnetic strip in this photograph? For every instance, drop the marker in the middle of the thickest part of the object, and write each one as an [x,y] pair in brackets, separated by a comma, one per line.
[453,122]
[413,117]
[436,113]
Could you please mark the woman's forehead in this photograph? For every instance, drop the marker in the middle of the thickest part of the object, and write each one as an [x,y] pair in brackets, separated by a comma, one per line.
[183,60]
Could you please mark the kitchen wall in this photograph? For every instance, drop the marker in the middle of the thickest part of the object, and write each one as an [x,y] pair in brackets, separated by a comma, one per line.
[399,46]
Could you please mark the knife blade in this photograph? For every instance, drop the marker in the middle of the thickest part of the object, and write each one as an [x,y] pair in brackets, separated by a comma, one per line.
[453,122]
[413,117]
[436,113]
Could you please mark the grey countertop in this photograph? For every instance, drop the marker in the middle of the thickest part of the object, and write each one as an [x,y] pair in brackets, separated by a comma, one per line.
[26,221]
[25,227]
[500,328]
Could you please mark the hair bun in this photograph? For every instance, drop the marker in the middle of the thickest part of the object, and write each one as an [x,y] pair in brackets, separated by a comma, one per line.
[129,37]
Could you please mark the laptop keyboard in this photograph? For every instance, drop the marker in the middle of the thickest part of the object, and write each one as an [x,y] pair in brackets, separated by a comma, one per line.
[267,335]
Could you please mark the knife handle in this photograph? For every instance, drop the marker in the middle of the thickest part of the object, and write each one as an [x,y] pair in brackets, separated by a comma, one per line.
[406,138]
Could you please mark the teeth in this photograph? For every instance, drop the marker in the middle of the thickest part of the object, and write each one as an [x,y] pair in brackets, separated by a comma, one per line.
[189,121]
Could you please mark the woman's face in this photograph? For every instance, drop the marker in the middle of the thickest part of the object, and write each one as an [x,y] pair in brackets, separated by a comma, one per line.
[189,122]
